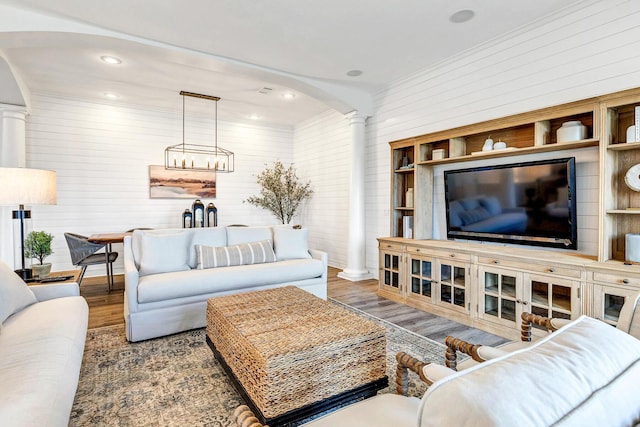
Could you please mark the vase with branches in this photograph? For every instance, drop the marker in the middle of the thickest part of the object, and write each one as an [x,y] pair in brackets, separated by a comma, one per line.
[281,191]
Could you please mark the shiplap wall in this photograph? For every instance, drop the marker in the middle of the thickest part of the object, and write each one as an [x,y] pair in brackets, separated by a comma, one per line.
[102,152]
[575,54]
[322,154]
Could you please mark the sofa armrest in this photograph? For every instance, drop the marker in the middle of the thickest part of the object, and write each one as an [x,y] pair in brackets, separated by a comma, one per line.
[131,276]
[435,372]
[406,363]
[52,291]
[549,323]
[244,417]
[322,256]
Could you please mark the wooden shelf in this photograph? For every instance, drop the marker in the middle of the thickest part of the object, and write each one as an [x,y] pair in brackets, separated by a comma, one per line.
[624,211]
[517,152]
[404,170]
[624,146]
[403,208]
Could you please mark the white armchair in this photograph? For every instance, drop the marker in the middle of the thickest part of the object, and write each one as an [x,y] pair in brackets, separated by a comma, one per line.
[628,322]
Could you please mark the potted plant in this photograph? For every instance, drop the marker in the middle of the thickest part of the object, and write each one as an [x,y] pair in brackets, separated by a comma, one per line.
[37,245]
[281,192]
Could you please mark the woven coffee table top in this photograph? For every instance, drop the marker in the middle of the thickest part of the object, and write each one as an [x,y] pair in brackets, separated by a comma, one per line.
[289,320]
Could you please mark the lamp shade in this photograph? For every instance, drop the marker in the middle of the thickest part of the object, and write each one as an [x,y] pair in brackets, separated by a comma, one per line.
[26,186]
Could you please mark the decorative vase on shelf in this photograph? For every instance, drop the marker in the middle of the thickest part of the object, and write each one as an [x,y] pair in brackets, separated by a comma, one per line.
[408,198]
[631,134]
[571,131]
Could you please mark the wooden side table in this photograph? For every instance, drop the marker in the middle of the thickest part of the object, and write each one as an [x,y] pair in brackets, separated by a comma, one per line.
[74,273]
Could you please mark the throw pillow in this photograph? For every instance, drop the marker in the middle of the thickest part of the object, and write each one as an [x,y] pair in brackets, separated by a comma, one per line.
[243,254]
[474,215]
[239,235]
[214,236]
[164,253]
[290,243]
[14,293]
[492,205]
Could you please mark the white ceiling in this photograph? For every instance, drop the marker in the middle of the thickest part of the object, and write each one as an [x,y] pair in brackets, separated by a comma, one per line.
[231,49]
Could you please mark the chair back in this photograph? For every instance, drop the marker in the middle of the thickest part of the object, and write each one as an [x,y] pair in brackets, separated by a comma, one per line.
[629,320]
[80,247]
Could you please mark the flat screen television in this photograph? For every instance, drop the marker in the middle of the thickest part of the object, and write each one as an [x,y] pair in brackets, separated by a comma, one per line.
[530,203]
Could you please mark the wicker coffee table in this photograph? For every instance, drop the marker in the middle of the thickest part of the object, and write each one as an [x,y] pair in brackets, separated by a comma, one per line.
[292,355]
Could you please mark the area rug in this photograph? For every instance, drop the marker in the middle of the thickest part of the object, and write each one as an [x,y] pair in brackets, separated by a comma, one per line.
[175,380]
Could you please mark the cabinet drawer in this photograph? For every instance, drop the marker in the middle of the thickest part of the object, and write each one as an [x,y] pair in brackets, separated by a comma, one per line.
[439,254]
[619,279]
[391,246]
[536,268]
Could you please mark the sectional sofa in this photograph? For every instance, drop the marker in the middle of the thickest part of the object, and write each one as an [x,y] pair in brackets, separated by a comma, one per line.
[42,334]
[170,273]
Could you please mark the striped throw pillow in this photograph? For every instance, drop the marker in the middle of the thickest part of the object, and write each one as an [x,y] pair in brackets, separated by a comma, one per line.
[243,254]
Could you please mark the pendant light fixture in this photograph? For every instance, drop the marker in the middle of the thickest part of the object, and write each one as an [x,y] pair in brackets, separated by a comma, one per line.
[199,157]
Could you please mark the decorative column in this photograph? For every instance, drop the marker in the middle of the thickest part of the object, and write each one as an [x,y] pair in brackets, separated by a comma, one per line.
[13,153]
[356,258]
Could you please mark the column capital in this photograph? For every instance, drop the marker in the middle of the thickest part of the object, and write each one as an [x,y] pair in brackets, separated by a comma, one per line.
[355,117]
[15,111]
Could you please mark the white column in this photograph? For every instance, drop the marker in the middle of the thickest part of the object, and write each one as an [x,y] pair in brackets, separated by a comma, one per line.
[356,258]
[13,153]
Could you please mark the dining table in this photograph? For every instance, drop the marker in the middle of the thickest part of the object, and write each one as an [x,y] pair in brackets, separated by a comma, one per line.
[108,239]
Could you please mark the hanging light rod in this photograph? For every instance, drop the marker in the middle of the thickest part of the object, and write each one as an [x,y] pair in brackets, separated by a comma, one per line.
[199,95]
[198,157]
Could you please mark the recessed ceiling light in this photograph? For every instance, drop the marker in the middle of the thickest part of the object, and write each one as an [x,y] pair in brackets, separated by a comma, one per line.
[354,73]
[288,95]
[462,16]
[111,60]
[111,95]
[255,117]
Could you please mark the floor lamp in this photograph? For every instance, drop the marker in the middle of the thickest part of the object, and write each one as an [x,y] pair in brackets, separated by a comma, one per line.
[23,186]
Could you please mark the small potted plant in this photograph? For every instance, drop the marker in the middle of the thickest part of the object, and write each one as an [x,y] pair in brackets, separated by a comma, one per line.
[37,245]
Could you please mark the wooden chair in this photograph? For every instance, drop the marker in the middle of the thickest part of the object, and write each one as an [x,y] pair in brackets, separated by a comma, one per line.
[628,321]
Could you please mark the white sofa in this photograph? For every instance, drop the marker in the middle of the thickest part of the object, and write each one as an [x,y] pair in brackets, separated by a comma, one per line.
[585,374]
[170,274]
[42,335]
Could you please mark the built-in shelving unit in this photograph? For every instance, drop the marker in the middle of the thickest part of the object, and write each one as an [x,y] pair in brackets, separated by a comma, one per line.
[603,280]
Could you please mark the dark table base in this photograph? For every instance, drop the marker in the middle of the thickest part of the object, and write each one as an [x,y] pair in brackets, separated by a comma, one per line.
[292,418]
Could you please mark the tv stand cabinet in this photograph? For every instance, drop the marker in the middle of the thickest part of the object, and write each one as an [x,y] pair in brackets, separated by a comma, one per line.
[488,286]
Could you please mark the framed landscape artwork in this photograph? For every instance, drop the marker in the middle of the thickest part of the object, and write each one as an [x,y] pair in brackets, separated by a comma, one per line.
[181,184]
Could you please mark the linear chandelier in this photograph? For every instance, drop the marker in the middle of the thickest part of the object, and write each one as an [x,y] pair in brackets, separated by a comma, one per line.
[199,157]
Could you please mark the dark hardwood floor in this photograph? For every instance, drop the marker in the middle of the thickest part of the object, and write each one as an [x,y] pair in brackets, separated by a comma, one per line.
[106,308]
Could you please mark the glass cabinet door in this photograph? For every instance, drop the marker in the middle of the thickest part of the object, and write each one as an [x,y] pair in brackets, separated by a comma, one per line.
[499,296]
[391,264]
[453,286]
[421,276]
[551,297]
[608,301]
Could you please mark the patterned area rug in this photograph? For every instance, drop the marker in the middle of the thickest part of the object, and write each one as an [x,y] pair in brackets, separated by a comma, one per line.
[175,380]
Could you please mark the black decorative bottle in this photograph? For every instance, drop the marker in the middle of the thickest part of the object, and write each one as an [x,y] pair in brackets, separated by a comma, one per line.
[198,214]
[212,215]
[187,219]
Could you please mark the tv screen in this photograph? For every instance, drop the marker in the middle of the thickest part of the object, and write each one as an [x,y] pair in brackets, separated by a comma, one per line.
[530,203]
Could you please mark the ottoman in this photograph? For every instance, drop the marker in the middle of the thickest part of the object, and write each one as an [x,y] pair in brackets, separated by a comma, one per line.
[293,355]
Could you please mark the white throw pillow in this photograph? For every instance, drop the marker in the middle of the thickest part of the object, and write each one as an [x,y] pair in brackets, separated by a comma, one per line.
[14,293]
[239,235]
[243,254]
[290,243]
[163,253]
[214,236]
